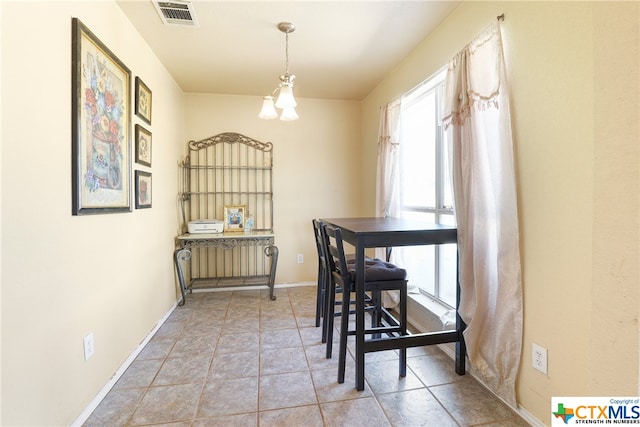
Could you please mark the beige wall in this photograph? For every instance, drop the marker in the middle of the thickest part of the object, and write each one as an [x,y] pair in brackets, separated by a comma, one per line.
[573,74]
[316,165]
[64,276]
[67,276]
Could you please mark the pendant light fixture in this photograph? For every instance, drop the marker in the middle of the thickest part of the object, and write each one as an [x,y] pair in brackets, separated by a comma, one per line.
[285,101]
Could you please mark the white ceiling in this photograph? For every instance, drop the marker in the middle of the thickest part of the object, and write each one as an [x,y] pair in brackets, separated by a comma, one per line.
[339,50]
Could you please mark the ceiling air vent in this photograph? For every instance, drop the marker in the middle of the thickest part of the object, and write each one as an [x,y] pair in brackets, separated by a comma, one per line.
[176,13]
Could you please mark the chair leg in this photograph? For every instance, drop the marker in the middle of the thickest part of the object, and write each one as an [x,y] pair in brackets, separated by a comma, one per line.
[376,312]
[329,316]
[325,312]
[344,333]
[320,295]
[326,278]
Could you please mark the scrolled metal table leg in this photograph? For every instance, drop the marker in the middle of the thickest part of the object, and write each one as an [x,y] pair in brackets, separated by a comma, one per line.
[180,256]
[272,252]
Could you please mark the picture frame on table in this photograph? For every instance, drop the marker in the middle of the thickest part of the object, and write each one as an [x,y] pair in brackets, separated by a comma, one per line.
[101,126]
[143,146]
[234,216]
[143,101]
[143,189]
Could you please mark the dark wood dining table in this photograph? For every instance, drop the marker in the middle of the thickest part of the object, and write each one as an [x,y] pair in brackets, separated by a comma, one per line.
[365,233]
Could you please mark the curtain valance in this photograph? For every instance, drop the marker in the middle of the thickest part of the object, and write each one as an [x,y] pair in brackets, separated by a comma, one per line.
[479,87]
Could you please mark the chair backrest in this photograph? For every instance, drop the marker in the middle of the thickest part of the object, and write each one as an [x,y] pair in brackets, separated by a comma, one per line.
[336,258]
[320,245]
[323,265]
[377,272]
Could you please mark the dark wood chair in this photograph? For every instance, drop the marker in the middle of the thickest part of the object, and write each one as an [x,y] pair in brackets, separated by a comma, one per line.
[379,276]
[326,302]
[322,273]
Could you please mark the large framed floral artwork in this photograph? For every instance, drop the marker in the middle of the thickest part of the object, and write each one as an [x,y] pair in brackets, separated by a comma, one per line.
[101,126]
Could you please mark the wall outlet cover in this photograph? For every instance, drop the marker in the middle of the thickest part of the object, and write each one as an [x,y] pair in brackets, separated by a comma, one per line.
[539,358]
[88,346]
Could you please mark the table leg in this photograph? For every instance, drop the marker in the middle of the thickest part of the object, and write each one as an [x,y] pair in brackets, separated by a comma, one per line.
[180,256]
[461,348]
[359,317]
[272,251]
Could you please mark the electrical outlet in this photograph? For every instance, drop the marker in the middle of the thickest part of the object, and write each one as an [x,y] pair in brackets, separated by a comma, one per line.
[88,346]
[539,358]
[300,258]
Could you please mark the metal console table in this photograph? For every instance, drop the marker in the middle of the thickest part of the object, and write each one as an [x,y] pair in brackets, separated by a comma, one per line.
[228,169]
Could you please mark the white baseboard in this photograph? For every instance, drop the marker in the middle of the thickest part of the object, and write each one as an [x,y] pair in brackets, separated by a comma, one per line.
[114,379]
[528,417]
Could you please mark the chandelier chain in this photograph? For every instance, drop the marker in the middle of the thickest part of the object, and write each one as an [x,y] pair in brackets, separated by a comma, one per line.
[286,53]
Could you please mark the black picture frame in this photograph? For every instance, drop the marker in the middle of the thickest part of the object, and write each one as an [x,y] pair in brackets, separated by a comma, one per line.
[143,101]
[143,146]
[143,189]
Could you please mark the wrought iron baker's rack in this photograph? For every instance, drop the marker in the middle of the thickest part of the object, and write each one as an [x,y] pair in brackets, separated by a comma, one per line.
[227,169]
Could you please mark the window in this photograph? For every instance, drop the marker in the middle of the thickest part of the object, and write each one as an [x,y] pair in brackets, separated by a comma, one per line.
[425,189]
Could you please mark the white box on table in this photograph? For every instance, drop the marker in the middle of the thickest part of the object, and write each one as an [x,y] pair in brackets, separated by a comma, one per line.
[206,226]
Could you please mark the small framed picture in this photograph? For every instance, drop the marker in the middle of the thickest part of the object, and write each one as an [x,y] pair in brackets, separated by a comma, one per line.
[143,101]
[143,190]
[234,217]
[143,146]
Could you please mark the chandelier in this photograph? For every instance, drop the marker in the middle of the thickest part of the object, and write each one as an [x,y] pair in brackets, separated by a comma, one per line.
[286,102]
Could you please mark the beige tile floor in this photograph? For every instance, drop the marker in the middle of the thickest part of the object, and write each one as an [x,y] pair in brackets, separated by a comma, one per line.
[240,359]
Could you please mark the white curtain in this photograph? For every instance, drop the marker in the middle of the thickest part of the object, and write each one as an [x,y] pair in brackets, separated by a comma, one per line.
[388,179]
[478,125]
[388,182]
